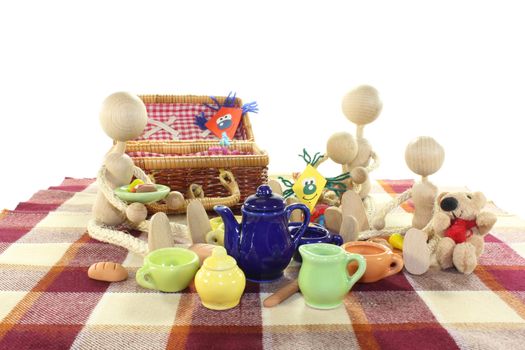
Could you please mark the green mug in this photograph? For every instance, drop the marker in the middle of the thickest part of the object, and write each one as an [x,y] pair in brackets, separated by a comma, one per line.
[168,269]
[323,278]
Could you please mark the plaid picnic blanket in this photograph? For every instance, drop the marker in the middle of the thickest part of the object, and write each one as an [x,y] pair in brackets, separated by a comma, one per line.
[48,302]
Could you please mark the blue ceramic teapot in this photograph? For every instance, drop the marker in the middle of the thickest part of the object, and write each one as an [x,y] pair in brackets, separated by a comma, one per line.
[262,243]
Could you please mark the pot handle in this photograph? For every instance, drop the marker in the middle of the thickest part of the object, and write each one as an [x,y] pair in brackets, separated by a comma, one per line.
[306,220]
[397,265]
[336,239]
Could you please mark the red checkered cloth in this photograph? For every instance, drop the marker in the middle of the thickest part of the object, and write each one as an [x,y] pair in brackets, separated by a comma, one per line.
[48,302]
[184,122]
[214,151]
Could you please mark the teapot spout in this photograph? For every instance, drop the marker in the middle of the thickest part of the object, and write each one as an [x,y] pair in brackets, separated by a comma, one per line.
[232,230]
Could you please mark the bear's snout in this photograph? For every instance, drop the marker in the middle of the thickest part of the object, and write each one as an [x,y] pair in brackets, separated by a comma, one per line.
[449,204]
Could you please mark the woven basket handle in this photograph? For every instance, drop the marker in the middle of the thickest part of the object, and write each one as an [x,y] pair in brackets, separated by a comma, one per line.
[226,178]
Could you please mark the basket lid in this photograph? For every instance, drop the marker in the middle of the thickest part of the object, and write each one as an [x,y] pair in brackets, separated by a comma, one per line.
[264,200]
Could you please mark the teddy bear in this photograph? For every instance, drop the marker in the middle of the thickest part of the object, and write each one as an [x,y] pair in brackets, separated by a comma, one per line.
[455,234]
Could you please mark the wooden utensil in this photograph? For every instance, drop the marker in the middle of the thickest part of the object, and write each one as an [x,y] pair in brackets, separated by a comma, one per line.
[282,294]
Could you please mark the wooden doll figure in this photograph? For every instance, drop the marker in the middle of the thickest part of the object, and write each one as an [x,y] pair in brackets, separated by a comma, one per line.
[361,106]
[424,156]
[123,118]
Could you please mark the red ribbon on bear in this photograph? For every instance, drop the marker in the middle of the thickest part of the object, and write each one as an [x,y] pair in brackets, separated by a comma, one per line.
[460,230]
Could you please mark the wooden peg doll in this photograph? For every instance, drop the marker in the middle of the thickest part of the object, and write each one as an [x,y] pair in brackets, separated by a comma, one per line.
[424,156]
[123,118]
[361,106]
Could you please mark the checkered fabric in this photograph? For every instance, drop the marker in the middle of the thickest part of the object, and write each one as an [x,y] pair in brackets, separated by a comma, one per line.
[184,122]
[211,152]
[48,302]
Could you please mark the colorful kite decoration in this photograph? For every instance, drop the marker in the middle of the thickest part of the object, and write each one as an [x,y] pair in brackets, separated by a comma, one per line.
[227,118]
[310,184]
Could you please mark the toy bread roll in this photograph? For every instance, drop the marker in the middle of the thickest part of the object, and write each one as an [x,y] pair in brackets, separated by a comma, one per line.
[146,188]
[107,271]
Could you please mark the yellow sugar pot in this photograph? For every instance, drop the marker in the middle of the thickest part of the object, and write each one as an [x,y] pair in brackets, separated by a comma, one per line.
[220,282]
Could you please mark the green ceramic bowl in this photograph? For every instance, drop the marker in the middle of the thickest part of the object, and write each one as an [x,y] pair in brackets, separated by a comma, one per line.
[144,197]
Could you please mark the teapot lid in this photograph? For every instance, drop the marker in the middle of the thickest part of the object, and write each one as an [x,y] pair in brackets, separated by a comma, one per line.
[264,201]
[219,260]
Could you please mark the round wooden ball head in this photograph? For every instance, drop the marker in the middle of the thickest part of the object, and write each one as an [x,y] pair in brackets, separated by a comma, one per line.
[362,105]
[341,147]
[123,116]
[424,156]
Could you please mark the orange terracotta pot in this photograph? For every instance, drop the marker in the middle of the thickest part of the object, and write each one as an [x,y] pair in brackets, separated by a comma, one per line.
[381,262]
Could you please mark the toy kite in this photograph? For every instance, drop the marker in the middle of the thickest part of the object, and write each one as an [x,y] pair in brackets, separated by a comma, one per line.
[227,117]
[310,184]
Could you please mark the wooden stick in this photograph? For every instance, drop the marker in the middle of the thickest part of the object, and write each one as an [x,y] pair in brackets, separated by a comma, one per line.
[282,294]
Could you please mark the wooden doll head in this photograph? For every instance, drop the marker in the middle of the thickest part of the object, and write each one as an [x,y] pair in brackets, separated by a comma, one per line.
[362,105]
[424,156]
[123,116]
[341,147]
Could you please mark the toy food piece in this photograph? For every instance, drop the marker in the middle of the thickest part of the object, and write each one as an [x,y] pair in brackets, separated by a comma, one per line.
[396,241]
[216,235]
[203,250]
[145,188]
[107,271]
[133,186]
[123,193]
[282,294]
[220,282]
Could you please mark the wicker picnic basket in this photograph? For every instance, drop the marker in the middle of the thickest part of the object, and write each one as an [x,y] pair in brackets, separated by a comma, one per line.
[189,161]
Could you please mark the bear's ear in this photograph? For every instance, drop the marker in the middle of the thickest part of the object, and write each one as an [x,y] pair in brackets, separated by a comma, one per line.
[479,199]
[440,197]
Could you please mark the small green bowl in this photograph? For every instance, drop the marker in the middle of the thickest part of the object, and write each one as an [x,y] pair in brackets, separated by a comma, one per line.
[144,197]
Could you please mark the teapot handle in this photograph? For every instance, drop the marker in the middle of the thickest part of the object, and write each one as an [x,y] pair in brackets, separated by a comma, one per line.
[306,220]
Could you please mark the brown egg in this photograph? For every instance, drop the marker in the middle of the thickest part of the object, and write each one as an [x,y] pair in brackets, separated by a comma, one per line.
[203,250]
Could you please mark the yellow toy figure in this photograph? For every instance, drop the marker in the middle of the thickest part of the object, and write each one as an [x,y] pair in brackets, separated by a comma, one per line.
[309,186]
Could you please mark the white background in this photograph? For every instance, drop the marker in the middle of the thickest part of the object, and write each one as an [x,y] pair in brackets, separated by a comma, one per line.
[453,70]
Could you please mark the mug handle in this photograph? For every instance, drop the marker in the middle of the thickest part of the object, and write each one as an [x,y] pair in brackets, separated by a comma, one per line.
[361,263]
[306,220]
[336,239]
[143,278]
[397,265]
